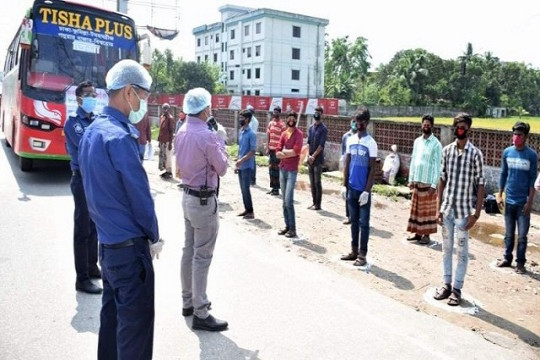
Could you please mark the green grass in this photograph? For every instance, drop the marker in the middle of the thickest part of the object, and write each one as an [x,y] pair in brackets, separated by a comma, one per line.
[260,160]
[155,132]
[481,123]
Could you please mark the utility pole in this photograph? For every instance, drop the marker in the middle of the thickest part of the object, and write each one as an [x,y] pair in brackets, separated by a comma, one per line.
[121,6]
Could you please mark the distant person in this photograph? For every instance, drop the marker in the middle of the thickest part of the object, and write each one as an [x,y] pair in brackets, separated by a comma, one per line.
[247,144]
[165,138]
[288,151]
[202,158]
[316,141]
[424,173]
[275,129]
[145,136]
[254,125]
[221,134]
[120,203]
[352,131]
[180,121]
[518,171]
[462,169]
[85,243]
[358,179]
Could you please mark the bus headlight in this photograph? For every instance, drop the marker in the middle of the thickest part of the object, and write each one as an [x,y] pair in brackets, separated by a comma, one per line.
[37,123]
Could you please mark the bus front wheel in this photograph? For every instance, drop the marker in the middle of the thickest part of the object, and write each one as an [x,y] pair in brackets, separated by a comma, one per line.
[26,164]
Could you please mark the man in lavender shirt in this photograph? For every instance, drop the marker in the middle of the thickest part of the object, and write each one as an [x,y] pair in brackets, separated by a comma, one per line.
[202,158]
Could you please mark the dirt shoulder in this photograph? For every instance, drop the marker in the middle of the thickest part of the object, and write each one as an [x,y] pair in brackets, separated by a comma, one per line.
[498,301]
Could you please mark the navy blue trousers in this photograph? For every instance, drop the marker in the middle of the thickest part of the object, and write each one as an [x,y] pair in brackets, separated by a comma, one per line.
[85,245]
[126,331]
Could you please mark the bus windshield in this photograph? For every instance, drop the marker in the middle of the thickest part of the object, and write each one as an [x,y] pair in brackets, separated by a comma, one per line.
[70,46]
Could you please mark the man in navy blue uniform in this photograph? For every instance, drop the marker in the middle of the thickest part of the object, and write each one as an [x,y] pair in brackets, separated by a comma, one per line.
[121,205]
[84,229]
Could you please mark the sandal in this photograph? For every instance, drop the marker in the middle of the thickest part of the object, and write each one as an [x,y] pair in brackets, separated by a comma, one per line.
[455,298]
[443,292]
[415,237]
[504,263]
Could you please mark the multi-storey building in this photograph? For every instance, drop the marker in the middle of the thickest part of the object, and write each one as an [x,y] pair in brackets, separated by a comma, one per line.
[265,52]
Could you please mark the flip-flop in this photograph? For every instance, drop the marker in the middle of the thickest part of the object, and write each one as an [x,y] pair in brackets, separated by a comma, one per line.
[455,298]
[414,238]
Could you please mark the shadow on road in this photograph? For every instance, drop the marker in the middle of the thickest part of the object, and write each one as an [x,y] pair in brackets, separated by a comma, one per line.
[399,281]
[331,215]
[380,233]
[86,319]
[310,246]
[524,334]
[48,178]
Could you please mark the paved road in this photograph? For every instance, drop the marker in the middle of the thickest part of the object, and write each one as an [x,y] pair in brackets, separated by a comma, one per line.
[279,306]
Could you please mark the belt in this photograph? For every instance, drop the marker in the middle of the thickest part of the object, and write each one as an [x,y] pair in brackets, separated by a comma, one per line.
[75,173]
[197,193]
[123,244]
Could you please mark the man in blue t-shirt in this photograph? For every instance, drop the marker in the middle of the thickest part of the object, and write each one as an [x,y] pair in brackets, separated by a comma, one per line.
[358,177]
[245,165]
[519,167]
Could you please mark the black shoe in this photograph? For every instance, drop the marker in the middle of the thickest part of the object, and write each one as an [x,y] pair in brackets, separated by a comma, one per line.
[283,231]
[209,324]
[95,274]
[271,192]
[291,234]
[347,221]
[275,192]
[243,213]
[88,287]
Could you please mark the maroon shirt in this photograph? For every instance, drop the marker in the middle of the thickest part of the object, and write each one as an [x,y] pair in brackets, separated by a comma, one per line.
[145,135]
[166,128]
[295,143]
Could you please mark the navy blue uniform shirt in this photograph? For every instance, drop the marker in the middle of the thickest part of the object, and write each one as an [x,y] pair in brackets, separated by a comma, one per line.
[115,182]
[74,129]
[317,136]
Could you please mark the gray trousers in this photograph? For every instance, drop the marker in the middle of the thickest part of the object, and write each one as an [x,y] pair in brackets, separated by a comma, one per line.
[202,224]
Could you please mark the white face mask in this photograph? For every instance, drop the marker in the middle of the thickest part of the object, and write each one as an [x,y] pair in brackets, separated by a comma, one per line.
[136,116]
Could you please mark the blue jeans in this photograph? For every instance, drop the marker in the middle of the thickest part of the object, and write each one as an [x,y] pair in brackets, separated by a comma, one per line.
[287,181]
[244,176]
[359,220]
[514,214]
[315,173]
[449,224]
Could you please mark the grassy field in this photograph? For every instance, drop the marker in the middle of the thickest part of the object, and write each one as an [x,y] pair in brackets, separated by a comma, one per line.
[483,123]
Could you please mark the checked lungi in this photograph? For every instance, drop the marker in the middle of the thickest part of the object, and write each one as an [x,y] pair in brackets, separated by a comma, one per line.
[273,164]
[423,217]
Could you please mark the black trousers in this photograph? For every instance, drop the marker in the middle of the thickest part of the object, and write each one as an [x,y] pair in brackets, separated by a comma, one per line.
[85,245]
[315,173]
[126,331]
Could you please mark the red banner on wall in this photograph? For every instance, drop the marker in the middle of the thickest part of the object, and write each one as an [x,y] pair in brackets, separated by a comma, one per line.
[221,101]
[294,104]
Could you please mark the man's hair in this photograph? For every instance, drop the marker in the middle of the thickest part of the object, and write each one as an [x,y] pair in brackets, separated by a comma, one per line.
[246,113]
[81,86]
[463,117]
[319,109]
[362,114]
[428,118]
[521,126]
[277,108]
[292,113]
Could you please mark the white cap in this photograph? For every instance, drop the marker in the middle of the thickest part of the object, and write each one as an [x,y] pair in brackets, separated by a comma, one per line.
[196,100]
[128,72]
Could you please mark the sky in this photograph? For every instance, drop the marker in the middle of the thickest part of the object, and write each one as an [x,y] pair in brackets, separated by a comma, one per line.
[508,29]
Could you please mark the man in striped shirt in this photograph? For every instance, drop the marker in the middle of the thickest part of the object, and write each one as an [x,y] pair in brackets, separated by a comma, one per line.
[462,171]
[424,174]
[275,128]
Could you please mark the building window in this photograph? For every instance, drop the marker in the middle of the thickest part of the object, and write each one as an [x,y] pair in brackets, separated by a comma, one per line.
[258,50]
[222,66]
[249,52]
[296,53]
[231,75]
[296,31]
[217,38]
[258,28]
[249,73]
[295,75]
[215,57]
[199,42]
[248,92]
[205,57]
[231,55]
[257,92]
[198,59]
[295,90]
[246,30]
[257,73]
[222,47]
[232,34]
[206,40]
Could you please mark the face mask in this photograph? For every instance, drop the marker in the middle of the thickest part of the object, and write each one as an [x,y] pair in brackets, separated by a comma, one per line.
[354,126]
[136,116]
[317,116]
[88,104]
[518,140]
[291,123]
[460,133]
[242,122]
